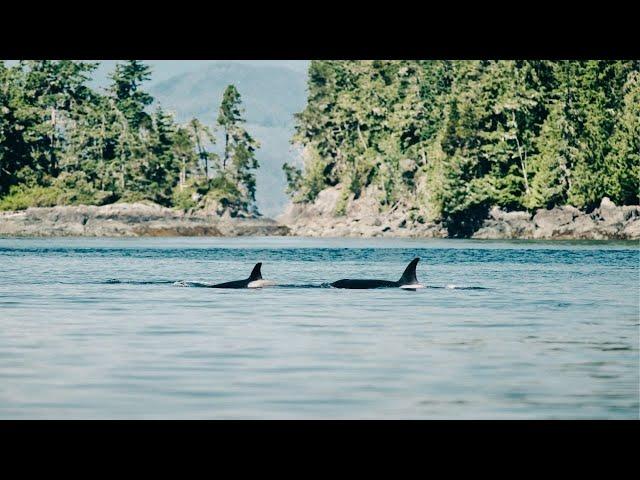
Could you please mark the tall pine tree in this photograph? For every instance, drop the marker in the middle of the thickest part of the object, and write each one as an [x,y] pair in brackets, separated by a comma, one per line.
[239,161]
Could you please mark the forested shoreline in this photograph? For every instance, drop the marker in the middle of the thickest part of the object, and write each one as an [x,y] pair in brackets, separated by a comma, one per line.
[64,143]
[430,145]
[449,140]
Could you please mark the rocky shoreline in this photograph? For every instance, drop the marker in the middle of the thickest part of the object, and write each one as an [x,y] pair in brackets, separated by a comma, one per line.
[129,220]
[361,219]
[607,222]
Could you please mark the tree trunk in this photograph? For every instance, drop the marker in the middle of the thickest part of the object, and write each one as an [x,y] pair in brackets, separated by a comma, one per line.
[226,150]
[364,144]
[183,175]
[201,153]
[523,161]
[52,140]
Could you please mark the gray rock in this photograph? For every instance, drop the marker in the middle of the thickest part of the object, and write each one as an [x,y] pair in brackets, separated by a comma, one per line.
[363,218]
[502,224]
[632,229]
[368,221]
[608,213]
[582,227]
[549,219]
[132,220]
[496,213]
[607,204]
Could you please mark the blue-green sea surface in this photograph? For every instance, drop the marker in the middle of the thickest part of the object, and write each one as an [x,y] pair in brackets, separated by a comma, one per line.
[122,328]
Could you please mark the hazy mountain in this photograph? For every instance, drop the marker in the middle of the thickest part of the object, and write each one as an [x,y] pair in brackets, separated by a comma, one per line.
[271,94]
[164,69]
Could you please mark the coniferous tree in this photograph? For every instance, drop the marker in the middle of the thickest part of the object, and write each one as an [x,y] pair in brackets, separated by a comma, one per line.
[551,165]
[451,139]
[38,99]
[63,143]
[239,161]
[445,140]
[202,135]
[125,89]
[623,161]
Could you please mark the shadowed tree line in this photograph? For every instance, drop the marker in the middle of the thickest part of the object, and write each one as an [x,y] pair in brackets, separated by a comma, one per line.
[64,143]
[449,139]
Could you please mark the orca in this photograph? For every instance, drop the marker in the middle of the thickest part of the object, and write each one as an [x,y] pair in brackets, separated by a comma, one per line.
[254,281]
[408,280]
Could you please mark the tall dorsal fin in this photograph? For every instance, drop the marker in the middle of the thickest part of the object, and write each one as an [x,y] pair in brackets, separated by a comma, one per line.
[409,275]
[255,273]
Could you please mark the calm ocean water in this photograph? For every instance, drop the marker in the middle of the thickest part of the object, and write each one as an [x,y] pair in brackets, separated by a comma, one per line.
[99,328]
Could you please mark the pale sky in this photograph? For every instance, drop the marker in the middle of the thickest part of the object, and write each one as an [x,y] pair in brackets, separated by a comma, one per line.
[164,69]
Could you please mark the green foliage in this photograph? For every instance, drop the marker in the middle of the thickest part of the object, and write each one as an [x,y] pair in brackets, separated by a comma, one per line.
[183,198]
[306,187]
[294,177]
[224,192]
[239,161]
[551,165]
[341,204]
[230,109]
[202,134]
[78,190]
[623,161]
[66,189]
[125,89]
[450,139]
[22,197]
[62,143]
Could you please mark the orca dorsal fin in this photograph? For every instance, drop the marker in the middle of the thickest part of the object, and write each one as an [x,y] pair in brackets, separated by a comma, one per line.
[409,275]
[255,273]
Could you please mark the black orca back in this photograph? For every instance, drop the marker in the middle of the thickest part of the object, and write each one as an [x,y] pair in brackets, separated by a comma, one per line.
[363,284]
[407,278]
[255,275]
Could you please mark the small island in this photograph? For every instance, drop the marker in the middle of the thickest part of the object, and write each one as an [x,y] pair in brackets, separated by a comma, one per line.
[64,144]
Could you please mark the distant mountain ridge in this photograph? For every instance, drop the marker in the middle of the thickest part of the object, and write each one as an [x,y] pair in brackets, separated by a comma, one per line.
[270,94]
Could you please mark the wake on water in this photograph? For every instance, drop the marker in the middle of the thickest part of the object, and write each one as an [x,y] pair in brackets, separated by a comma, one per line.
[115,281]
[408,281]
[197,284]
[194,284]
